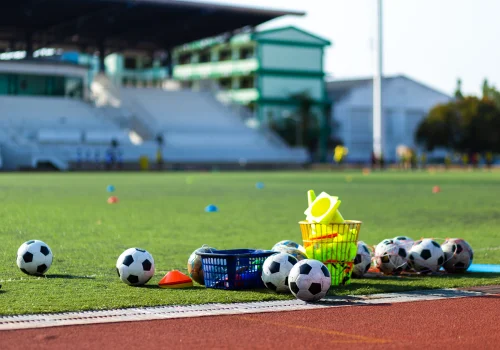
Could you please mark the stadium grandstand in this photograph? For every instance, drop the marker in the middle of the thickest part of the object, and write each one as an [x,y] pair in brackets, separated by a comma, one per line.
[63,107]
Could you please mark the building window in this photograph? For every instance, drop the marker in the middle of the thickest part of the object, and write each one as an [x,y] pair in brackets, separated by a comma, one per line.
[251,106]
[187,84]
[147,62]
[246,53]
[185,58]
[130,63]
[225,83]
[205,57]
[225,55]
[247,83]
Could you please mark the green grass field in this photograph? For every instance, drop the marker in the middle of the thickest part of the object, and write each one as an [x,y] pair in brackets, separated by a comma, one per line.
[164,213]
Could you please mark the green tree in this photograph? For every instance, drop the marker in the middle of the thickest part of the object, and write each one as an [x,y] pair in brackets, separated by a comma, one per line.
[486,89]
[469,124]
[458,90]
[491,93]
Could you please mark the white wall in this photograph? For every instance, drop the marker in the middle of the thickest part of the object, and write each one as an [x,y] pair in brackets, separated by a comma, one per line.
[291,57]
[405,104]
[283,87]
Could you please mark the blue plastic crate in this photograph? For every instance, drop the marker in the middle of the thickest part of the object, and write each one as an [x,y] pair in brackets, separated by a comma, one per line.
[234,269]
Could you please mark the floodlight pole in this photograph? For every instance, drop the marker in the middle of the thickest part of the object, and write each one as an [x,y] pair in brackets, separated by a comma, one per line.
[377,86]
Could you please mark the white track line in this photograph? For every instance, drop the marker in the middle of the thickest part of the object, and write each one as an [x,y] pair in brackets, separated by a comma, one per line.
[170,312]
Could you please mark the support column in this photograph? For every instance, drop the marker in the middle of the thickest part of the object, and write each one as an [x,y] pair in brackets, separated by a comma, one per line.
[102,56]
[377,87]
[170,64]
[29,45]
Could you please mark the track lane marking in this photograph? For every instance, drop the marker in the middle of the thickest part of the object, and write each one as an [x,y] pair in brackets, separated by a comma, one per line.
[356,338]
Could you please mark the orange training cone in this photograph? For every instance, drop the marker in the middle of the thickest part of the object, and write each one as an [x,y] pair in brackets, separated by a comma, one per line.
[113,200]
[175,279]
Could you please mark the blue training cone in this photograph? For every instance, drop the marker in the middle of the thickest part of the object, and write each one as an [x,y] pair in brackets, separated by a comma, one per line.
[211,208]
[259,185]
[110,188]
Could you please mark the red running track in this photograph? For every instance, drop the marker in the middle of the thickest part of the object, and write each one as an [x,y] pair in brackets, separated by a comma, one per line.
[472,323]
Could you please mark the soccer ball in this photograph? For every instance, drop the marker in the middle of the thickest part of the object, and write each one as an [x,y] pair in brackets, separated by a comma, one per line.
[458,255]
[426,255]
[309,280]
[296,253]
[390,257]
[404,241]
[289,244]
[34,257]
[275,271]
[195,267]
[135,266]
[362,261]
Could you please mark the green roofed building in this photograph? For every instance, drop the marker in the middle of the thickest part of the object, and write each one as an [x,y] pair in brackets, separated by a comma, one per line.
[261,70]
[274,73]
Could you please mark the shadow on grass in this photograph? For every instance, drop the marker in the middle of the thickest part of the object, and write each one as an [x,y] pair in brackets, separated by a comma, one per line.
[395,284]
[70,277]
[155,286]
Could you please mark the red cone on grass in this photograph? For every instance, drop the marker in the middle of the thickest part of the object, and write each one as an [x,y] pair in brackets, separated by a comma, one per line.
[113,200]
[175,279]
[436,189]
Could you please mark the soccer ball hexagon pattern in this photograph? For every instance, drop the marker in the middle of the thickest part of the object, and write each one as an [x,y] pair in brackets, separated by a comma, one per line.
[362,261]
[34,257]
[390,257]
[458,255]
[288,244]
[275,271]
[135,266]
[309,280]
[195,266]
[295,252]
[404,241]
[426,255]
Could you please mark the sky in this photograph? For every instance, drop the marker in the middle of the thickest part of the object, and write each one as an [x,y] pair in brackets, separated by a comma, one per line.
[432,41]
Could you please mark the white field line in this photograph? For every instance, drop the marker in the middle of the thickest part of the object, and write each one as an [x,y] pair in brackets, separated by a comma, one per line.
[171,312]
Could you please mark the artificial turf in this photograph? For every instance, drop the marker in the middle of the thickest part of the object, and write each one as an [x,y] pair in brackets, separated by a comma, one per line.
[164,213]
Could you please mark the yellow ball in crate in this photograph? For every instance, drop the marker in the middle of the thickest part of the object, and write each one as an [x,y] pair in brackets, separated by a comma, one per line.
[341,249]
[340,273]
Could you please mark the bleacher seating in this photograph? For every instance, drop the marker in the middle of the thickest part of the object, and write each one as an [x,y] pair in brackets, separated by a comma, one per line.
[35,112]
[68,136]
[104,137]
[198,128]
[185,110]
[213,140]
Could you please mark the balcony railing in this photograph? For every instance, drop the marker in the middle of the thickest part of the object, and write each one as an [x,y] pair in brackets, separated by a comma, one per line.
[215,69]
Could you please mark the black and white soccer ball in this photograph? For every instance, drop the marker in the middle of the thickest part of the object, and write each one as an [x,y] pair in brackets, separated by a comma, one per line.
[34,257]
[286,244]
[458,255]
[135,266]
[295,252]
[426,256]
[309,280]
[362,261]
[404,241]
[275,271]
[390,257]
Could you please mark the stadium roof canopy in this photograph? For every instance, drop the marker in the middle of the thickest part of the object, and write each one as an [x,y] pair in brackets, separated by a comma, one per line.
[121,24]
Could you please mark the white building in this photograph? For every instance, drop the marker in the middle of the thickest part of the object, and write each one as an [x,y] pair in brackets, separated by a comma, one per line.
[405,103]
